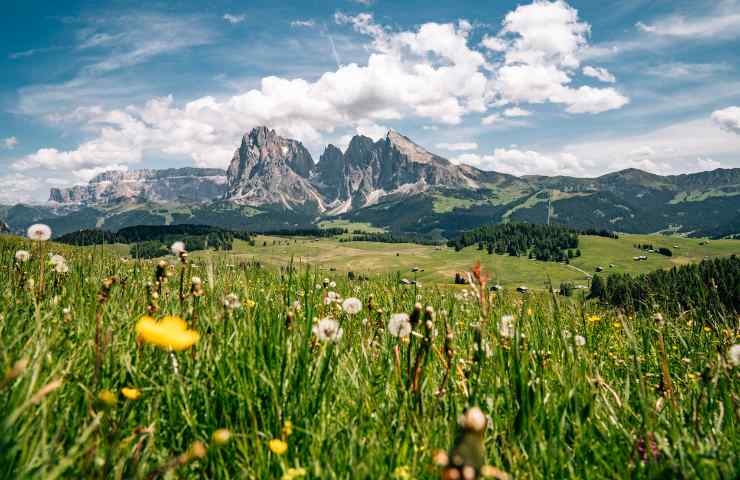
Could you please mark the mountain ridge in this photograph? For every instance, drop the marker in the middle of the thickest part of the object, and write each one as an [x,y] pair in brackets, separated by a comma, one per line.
[392,183]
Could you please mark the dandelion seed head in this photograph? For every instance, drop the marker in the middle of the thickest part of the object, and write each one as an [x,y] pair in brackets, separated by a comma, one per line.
[22,256]
[352,305]
[399,325]
[327,330]
[506,326]
[178,248]
[231,301]
[734,355]
[39,232]
[580,340]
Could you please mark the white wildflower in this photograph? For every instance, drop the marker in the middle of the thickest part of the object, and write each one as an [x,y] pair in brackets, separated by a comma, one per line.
[352,305]
[734,355]
[506,326]
[332,284]
[178,248]
[39,232]
[580,341]
[327,330]
[399,325]
[22,256]
[59,263]
[231,302]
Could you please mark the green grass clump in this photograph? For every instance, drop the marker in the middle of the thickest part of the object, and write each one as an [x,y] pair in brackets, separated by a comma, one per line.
[571,389]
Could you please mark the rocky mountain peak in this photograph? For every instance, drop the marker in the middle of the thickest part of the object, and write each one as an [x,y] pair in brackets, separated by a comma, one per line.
[270,169]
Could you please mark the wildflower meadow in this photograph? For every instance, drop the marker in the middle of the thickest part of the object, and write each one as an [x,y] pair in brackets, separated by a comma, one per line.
[199,366]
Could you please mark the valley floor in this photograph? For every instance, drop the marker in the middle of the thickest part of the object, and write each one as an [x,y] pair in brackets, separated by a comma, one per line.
[439,264]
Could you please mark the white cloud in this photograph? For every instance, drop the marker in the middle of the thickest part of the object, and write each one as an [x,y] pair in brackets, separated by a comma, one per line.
[497,121]
[16,187]
[457,147]
[706,164]
[303,23]
[722,21]
[494,44]
[427,73]
[689,71]
[233,18]
[667,150]
[599,73]
[134,39]
[524,162]
[544,42]
[728,119]
[10,142]
[516,112]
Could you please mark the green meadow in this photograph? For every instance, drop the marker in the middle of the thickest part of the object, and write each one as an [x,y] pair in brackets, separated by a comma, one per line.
[211,366]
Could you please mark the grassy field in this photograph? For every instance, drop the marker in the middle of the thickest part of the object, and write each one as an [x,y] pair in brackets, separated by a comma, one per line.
[250,384]
[265,390]
[439,264]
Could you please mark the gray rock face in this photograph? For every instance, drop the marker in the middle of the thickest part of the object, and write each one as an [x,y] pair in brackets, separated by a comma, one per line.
[187,185]
[269,169]
[369,171]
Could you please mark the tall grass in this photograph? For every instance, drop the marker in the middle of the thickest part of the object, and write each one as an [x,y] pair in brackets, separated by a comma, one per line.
[641,398]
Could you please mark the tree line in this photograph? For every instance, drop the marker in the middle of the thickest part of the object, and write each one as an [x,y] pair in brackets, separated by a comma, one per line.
[542,242]
[707,285]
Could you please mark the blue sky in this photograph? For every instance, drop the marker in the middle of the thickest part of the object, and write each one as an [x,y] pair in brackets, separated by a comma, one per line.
[549,87]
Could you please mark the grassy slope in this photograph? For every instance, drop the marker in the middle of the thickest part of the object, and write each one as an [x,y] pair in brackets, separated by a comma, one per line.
[556,409]
[441,263]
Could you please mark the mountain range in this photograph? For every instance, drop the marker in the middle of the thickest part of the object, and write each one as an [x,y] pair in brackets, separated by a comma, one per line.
[392,183]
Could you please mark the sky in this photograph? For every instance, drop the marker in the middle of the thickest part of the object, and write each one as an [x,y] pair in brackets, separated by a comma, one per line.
[577,87]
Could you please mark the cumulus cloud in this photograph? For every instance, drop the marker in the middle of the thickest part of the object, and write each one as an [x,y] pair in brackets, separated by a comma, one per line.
[525,162]
[429,73]
[233,18]
[10,143]
[17,187]
[544,42]
[599,73]
[456,147]
[728,119]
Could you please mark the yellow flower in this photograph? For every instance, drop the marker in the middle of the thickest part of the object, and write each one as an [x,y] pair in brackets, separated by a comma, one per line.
[131,393]
[617,325]
[692,376]
[221,436]
[707,329]
[402,473]
[288,428]
[529,312]
[250,303]
[170,333]
[277,446]
[293,473]
[594,318]
[107,398]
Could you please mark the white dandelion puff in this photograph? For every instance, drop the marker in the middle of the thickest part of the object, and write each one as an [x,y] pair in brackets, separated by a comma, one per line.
[506,326]
[580,340]
[734,355]
[399,325]
[22,256]
[327,330]
[39,232]
[352,305]
[178,248]
[231,301]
